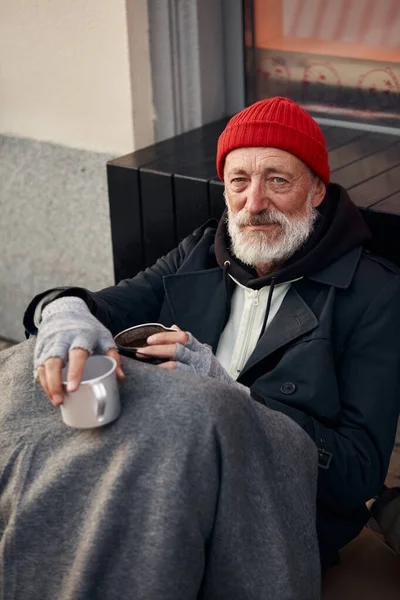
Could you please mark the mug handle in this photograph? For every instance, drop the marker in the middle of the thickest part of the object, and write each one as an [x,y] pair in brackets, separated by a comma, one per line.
[100,394]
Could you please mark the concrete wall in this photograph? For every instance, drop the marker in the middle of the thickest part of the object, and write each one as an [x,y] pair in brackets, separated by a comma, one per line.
[75,91]
[54,226]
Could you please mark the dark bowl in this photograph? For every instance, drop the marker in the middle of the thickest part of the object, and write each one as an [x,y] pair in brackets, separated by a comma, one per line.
[132,339]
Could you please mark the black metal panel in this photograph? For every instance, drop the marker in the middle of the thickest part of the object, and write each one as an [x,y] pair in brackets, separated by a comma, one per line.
[390,205]
[158,214]
[358,149]
[378,188]
[198,164]
[142,206]
[338,136]
[364,169]
[125,216]
[192,157]
[325,129]
[191,204]
[183,145]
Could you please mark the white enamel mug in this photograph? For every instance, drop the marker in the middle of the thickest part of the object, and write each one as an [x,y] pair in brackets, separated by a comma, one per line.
[96,402]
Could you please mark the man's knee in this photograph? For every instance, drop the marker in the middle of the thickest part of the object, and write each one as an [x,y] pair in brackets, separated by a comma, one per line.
[178,405]
[172,398]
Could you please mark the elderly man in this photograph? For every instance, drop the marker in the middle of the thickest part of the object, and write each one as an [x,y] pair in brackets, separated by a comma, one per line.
[280,302]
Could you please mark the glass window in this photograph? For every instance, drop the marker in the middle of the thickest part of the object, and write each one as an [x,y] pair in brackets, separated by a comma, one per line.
[338,58]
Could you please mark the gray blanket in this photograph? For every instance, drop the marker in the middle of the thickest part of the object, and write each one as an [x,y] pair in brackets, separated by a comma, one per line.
[195,491]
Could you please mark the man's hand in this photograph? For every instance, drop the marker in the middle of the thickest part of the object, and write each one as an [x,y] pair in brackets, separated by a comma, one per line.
[164,345]
[185,353]
[69,331]
[50,374]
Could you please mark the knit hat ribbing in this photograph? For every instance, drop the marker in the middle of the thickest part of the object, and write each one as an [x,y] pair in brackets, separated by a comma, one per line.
[276,123]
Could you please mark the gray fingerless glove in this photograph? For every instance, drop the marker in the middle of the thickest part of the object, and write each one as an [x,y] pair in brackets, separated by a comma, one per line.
[67,323]
[199,358]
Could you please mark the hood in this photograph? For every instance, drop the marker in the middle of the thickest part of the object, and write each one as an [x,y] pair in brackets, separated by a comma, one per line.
[339,228]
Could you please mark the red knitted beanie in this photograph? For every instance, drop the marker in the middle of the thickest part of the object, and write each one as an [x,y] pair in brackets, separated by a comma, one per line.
[276,123]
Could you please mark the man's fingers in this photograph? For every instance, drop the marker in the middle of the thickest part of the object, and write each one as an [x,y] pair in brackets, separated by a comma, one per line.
[76,362]
[168,337]
[113,352]
[50,375]
[171,364]
[41,377]
[53,367]
[164,351]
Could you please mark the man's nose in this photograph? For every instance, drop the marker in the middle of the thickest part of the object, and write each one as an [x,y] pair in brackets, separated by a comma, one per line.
[257,198]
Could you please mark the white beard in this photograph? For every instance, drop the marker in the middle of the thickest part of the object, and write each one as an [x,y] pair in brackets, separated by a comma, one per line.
[258,248]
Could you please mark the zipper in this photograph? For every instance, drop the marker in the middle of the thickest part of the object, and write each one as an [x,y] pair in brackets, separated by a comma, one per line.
[249,329]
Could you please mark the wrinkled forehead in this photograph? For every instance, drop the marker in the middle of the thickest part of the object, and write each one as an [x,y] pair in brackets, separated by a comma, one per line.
[258,159]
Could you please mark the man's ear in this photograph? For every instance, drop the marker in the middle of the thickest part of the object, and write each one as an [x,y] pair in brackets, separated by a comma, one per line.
[319,192]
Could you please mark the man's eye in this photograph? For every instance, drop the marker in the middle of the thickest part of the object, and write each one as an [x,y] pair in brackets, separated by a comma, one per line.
[238,179]
[279,180]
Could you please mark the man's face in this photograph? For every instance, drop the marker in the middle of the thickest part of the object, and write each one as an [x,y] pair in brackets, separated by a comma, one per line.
[272,198]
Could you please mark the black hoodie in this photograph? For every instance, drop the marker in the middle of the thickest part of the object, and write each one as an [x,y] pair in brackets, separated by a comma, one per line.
[339,228]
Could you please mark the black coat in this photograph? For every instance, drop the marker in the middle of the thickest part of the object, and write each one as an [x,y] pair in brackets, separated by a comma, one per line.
[330,360]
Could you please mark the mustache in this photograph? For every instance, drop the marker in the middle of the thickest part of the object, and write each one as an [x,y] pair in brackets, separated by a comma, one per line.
[266,217]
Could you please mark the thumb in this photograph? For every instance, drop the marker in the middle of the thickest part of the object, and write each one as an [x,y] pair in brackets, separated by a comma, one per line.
[113,352]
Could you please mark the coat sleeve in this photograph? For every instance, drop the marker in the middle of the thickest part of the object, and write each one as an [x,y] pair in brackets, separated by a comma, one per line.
[131,302]
[354,454]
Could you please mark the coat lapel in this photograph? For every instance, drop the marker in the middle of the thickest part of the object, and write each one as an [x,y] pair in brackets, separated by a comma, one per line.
[293,319]
[198,303]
